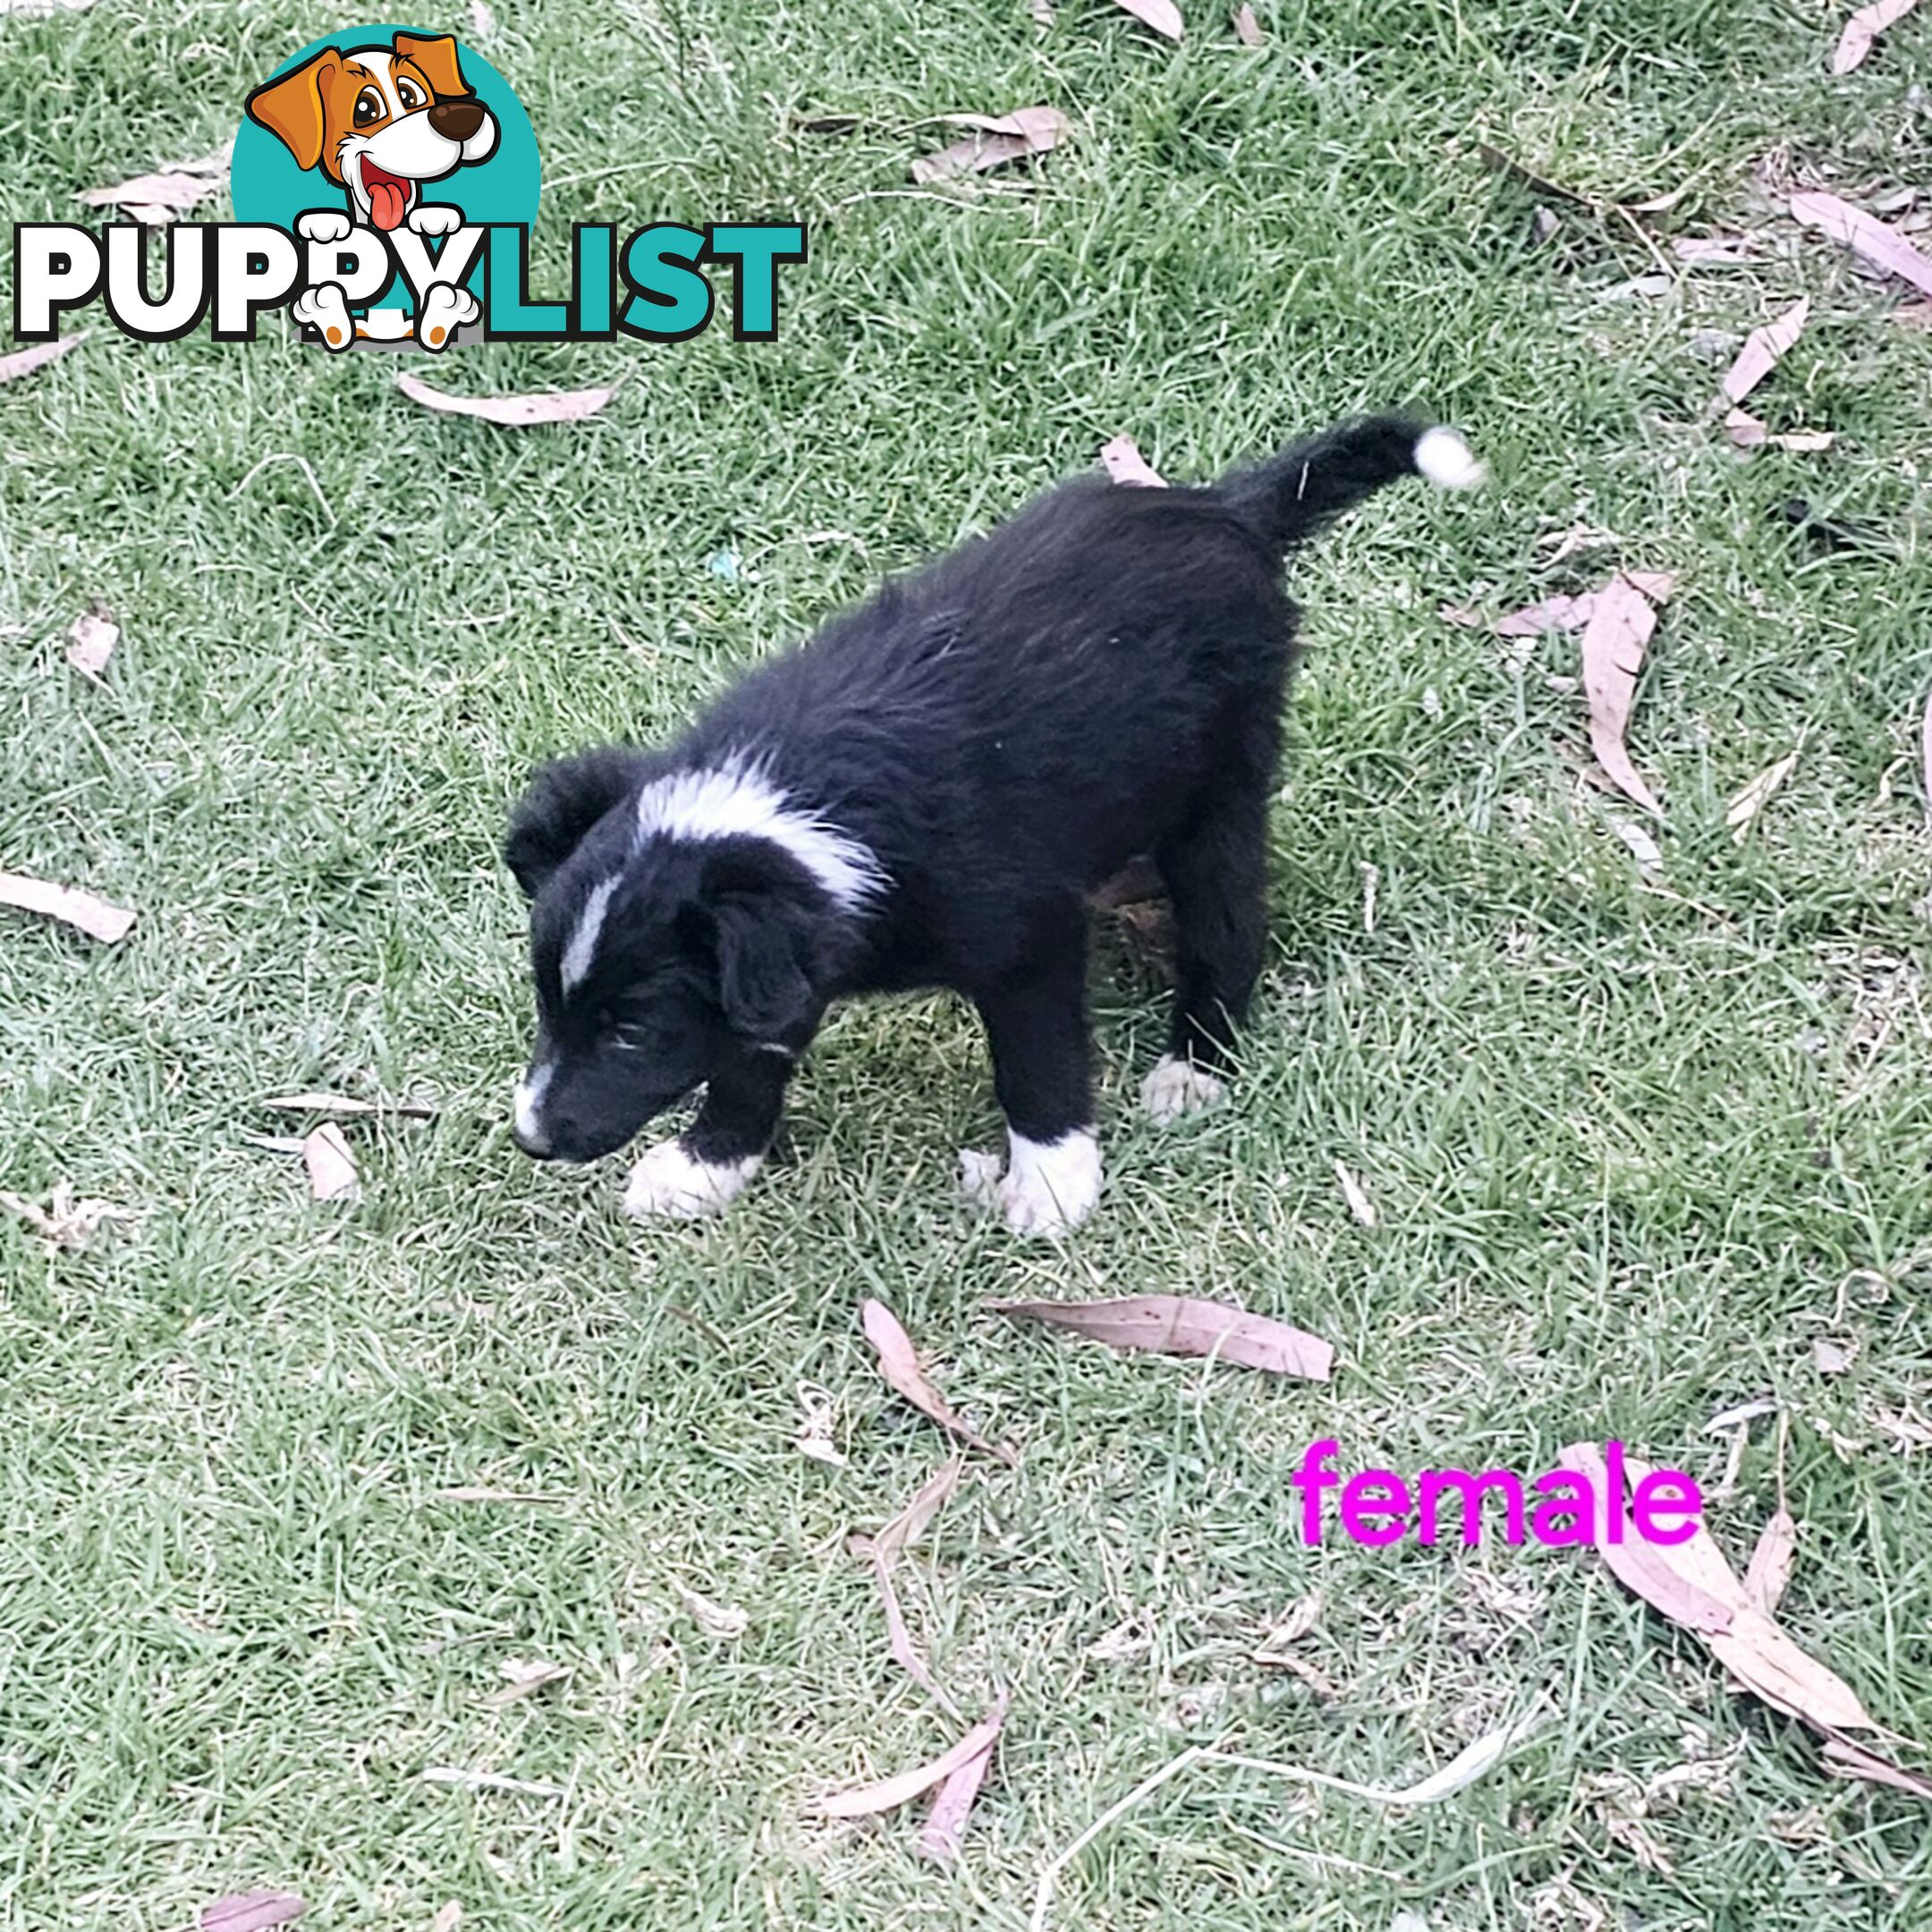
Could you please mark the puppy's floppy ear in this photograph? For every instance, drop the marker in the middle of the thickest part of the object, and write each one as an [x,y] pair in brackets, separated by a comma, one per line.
[436,57]
[291,108]
[766,931]
[564,799]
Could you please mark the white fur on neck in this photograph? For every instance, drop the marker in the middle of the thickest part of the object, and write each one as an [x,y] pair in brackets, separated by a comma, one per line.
[737,799]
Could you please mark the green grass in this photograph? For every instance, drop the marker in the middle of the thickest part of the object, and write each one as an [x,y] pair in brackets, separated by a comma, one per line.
[1632,1150]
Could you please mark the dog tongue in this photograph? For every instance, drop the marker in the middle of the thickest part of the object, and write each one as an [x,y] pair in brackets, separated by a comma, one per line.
[389,203]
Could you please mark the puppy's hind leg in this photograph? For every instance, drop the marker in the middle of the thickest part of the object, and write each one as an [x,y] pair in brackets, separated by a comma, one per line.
[1036,1024]
[704,1169]
[1216,875]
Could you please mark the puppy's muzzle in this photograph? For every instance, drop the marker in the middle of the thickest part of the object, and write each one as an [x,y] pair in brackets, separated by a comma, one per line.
[456,119]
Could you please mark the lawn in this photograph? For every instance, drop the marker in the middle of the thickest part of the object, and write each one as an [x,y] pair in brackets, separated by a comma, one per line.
[1634,1144]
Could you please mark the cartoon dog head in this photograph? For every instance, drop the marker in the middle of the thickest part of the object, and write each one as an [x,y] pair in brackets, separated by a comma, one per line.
[380,122]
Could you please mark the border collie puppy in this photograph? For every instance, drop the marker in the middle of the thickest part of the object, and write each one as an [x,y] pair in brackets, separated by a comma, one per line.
[920,796]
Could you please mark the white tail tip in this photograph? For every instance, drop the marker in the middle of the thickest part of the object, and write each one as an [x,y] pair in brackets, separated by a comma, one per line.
[1447,460]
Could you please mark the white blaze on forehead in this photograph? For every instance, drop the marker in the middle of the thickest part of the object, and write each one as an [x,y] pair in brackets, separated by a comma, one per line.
[380,66]
[574,967]
[736,800]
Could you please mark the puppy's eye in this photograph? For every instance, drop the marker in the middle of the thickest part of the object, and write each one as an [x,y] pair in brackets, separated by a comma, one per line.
[368,107]
[412,96]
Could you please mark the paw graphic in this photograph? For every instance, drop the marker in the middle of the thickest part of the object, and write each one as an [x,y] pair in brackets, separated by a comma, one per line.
[436,218]
[323,309]
[322,225]
[445,310]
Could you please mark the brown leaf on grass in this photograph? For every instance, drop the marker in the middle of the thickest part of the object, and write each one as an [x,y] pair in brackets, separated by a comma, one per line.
[1553,614]
[1885,248]
[944,1827]
[1042,12]
[1829,1357]
[1713,248]
[1769,1571]
[1762,349]
[1356,1196]
[1863,28]
[1620,621]
[1752,432]
[1182,1325]
[1692,1585]
[1164,16]
[449,1916]
[158,198]
[887,1546]
[250,1911]
[1844,1759]
[1462,615]
[91,639]
[1123,463]
[1751,800]
[898,1364]
[720,1620]
[512,411]
[68,903]
[332,1168]
[995,141]
[889,1794]
[25,361]
[1247,27]
[64,1222]
[524,1677]
[346,1107]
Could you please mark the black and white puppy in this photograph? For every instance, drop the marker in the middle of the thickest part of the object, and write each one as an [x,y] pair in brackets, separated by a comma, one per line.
[920,796]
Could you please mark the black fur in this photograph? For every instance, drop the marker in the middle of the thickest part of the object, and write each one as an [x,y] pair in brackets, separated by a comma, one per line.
[1102,677]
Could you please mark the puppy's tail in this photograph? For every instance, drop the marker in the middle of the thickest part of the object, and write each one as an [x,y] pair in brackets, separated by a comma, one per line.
[1290,497]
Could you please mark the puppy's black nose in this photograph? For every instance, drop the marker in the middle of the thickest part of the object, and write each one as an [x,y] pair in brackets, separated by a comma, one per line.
[457,119]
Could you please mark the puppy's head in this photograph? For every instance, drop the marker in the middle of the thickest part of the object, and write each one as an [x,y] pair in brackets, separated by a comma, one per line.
[661,948]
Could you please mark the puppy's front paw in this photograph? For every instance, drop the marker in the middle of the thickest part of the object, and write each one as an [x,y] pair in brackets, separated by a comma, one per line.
[322,225]
[435,218]
[323,308]
[669,1183]
[1050,1185]
[1177,1088]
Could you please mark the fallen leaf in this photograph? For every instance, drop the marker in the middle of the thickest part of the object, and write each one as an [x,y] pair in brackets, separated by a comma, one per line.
[945,1824]
[995,140]
[817,1418]
[64,1222]
[1830,1358]
[1750,432]
[1741,1414]
[1863,28]
[1692,1585]
[91,639]
[155,199]
[250,1911]
[1644,849]
[1300,1618]
[449,1916]
[898,1364]
[1751,800]
[721,1620]
[1460,614]
[887,1546]
[1123,463]
[1913,316]
[1358,1203]
[1844,1759]
[1553,614]
[1762,349]
[482,20]
[1716,248]
[1247,27]
[524,1677]
[68,903]
[1180,1324]
[332,1168]
[1885,248]
[1162,15]
[889,1794]
[457,1779]
[1042,12]
[345,1107]
[1769,1571]
[1620,624]
[513,411]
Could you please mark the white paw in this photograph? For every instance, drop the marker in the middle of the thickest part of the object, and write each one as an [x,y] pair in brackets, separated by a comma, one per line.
[435,217]
[1177,1088]
[669,1183]
[445,310]
[1050,1185]
[323,309]
[322,225]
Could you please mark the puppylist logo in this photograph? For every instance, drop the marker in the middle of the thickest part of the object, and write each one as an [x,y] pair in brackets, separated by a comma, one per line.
[385,183]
